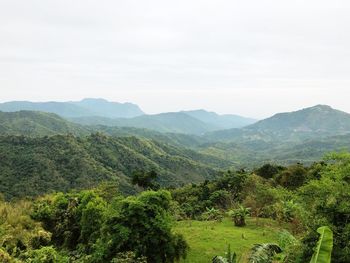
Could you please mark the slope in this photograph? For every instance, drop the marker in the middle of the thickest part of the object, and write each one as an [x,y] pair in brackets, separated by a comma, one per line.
[314,122]
[33,123]
[33,166]
[225,121]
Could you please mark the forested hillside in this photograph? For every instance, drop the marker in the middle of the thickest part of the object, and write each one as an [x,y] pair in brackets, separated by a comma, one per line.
[247,148]
[33,166]
[34,123]
[310,123]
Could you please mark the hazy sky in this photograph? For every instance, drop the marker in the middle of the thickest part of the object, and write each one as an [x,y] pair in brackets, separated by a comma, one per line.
[249,57]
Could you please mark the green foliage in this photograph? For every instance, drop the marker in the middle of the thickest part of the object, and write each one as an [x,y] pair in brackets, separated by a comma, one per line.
[293,177]
[34,166]
[219,194]
[142,224]
[268,171]
[34,123]
[291,247]
[323,250]
[5,257]
[71,218]
[327,203]
[44,255]
[145,179]
[83,227]
[128,257]
[264,253]
[229,257]
[18,232]
[212,214]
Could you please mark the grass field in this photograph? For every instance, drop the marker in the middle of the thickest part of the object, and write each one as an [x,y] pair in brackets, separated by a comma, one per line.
[207,238]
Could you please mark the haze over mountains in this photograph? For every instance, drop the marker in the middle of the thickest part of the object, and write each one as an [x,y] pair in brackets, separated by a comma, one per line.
[313,122]
[75,109]
[103,112]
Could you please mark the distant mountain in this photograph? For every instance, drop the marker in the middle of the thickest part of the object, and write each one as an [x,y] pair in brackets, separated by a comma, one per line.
[34,123]
[104,108]
[226,121]
[86,107]
[174,122]
[314,122]
[34,166]
[186,122]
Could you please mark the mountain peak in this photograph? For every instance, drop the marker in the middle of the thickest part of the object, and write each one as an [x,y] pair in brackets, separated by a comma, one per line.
[319,118]
[321,107]
[94,100]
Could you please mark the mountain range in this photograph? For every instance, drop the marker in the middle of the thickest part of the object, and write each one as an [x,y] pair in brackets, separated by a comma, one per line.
[42,150]
[103,112]
[312,122]
[188,122]
[76,109]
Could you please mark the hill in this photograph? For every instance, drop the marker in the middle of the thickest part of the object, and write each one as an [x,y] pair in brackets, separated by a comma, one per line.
[33,166]
[225,121]
[37,124]
[314,122]
[173,122]
[185,122]
[33,123]
[86,107]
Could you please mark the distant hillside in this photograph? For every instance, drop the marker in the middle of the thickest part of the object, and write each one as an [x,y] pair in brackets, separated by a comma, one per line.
[186,122]
[86,107]
[37,124]
[315,122]
[174,122]
[32,166]
[226,121]
[34,123]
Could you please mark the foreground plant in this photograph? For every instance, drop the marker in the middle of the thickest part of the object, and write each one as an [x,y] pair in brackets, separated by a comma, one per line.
[229,257]
[264,253]
[323,250]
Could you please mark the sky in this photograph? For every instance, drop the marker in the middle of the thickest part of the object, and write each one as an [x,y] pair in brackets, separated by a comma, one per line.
[252,57]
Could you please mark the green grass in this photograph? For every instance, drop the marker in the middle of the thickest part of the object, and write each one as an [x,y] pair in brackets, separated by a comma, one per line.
[207,238]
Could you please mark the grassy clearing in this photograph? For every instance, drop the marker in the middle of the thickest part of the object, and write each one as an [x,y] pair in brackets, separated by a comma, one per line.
[207,238]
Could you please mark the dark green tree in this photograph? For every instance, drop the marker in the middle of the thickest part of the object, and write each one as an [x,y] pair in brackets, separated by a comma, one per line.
[141,224]
[146,180]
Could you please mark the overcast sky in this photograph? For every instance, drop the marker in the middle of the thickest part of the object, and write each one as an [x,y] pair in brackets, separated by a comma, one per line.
[251,57]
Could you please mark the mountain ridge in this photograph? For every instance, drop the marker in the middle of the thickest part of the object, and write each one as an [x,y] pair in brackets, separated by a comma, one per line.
[71,109]
[318,120]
